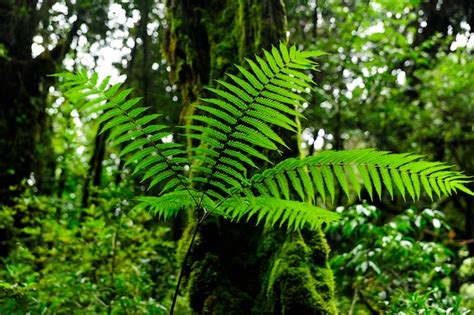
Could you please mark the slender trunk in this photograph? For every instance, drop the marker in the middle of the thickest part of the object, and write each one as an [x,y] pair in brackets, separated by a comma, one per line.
[240,268]
[144,11]
[94,176]
[95,170]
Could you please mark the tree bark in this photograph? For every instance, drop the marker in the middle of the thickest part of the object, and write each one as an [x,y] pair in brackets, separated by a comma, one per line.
[94,176]
[240,268]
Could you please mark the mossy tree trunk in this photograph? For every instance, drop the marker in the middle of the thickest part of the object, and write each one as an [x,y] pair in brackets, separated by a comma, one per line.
[240,268]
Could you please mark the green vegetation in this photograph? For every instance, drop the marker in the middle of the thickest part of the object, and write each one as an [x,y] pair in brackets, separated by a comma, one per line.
[237,195]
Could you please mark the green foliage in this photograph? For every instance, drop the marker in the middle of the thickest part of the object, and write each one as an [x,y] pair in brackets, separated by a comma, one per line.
[112,259]
[163,161]
[239,123]
[3,52]
[386,83]
[390,266]
[376,168]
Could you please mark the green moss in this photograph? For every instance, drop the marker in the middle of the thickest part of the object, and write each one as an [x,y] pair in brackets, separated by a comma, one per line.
[203,279]
[299,280]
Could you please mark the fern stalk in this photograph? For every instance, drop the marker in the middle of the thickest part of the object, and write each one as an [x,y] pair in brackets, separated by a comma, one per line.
[183,266]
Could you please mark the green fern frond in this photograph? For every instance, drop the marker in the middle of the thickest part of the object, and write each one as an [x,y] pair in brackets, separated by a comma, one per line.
[376,169]
[169,204]
[240,120]
[129,125]
[235,128]
[271,210]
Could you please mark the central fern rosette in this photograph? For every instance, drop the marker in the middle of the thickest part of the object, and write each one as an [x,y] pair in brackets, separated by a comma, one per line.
[235,127]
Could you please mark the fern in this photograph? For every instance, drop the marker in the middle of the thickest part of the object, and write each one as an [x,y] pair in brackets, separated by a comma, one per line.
[323,172]
[271,210]
[245,114]
[131,125]
[233,128]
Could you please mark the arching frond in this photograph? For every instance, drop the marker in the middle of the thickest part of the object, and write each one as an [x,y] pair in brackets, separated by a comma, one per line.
[239,122]
[273,211]
[354,169]
[130,126]
[169,204]
[264,209]
[235,128]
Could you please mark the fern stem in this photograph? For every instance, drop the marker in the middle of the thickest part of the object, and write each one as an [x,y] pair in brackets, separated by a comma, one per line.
[183,265]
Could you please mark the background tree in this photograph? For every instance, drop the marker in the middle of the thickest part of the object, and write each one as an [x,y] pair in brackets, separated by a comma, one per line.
[24,132]
[25,128]
[199,52]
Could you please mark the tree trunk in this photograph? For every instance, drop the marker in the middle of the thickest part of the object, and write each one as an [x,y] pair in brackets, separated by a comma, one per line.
[94,176]
[240,268]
